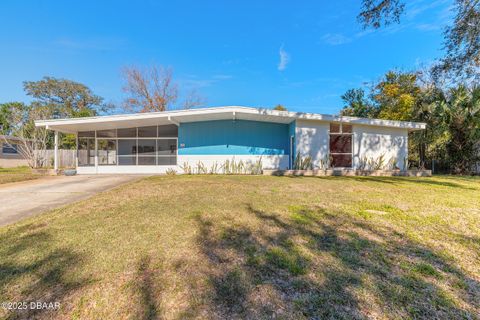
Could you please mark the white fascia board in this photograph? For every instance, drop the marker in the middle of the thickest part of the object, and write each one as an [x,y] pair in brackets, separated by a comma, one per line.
[236,110]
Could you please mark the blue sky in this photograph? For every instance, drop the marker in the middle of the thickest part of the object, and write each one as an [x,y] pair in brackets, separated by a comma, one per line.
[302,54]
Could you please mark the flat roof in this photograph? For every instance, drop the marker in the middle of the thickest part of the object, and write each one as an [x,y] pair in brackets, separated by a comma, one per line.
[74,125]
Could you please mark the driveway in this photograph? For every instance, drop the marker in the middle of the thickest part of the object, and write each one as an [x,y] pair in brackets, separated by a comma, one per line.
[24,199]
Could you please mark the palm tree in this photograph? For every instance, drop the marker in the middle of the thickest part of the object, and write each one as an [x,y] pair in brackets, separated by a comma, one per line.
[459,111]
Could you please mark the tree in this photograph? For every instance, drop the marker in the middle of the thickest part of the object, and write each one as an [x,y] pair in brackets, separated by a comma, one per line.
[357,105]
[66,98]
[193,99]
[32,140]
[396,95]
[460,113]
[461,39]
[4,116]
[280,107]
[153,89]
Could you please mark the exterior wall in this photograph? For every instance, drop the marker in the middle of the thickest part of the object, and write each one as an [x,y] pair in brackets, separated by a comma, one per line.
[372,142]
[11,163]
[214,142]
[228,137]
[9,160]
[311,139]
[268,162]
[279,162]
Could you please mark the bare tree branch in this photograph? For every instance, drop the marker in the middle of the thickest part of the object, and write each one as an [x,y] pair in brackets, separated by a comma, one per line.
[149,89]
[379,13]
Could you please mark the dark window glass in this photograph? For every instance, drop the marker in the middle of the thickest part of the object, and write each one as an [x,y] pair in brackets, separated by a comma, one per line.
[167,146]
[346,128]
[86,134]
[169,130]
[127,133]
[10,148]
[107,152]
[334,128]
[340,143]
[127,147]
[106,133]
[146,160]
[146,147]
[167,160]
[86,152]
[147,132]
[127,160]
[341,160]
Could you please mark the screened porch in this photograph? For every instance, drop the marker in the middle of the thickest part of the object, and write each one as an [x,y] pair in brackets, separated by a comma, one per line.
[137,146]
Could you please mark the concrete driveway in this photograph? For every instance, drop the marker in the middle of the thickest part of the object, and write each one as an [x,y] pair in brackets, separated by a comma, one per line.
[23,199]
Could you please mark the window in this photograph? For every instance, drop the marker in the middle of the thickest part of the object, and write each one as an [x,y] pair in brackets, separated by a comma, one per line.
[106,133]
[86,134]
[341,145]
[107,152]
[146,152]
[167,151]
[147,132]
[169,130]
[9,148]
[127,133]
[86,151]
[127,152]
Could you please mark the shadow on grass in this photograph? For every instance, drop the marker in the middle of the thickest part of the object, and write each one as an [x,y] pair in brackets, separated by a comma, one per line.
[144,284]
[36,271]
[402,180]
[319,265]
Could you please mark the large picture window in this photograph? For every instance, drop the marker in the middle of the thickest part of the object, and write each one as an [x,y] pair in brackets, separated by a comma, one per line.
[341,145]
[144,146]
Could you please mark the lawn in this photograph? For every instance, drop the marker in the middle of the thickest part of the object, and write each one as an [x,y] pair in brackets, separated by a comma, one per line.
[219,247]
[16,174]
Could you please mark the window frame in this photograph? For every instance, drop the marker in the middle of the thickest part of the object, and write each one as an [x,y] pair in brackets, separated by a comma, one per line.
[341,133]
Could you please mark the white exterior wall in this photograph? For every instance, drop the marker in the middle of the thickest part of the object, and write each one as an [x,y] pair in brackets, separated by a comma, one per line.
[371,142]
[268,162]
[311,139]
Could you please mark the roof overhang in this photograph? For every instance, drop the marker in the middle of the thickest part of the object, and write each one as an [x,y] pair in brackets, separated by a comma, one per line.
[177,117]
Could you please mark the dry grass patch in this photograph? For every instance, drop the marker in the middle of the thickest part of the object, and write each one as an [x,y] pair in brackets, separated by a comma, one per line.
[8,175]
[221,247]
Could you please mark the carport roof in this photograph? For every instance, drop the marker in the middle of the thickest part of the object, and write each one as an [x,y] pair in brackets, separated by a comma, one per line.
[74,125]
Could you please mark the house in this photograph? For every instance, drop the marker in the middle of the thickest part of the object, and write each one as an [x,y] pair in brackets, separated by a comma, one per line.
[158,141]
[10,152]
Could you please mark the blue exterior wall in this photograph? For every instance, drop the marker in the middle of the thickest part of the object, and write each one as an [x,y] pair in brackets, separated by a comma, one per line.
[228,137]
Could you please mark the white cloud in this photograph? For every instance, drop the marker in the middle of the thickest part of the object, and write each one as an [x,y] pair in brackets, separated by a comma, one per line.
[284,59]
[335,39]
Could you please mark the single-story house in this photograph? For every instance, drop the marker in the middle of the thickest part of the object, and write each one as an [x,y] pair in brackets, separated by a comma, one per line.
[158,141]
[10,152]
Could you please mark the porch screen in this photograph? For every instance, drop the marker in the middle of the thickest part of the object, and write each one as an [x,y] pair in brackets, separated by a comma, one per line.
[341,145]
[86,151]
[145,146]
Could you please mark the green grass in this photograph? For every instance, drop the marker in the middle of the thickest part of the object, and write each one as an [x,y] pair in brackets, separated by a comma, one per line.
[8,175]
[219,247]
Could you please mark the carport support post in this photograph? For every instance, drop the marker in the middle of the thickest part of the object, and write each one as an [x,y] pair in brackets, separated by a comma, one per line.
[55,154]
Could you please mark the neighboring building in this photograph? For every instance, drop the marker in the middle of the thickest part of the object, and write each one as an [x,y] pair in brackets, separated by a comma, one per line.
[10,155]
[155,142]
